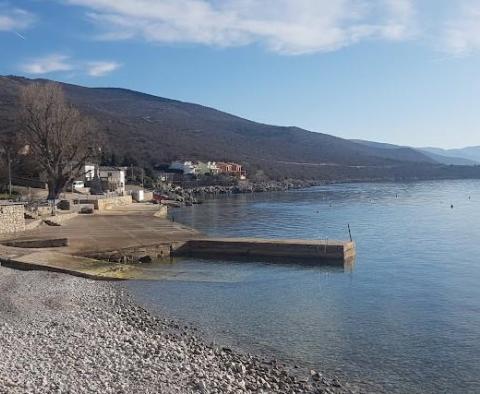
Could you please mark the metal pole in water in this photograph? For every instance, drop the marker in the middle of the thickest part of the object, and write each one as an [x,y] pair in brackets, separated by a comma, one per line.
[349,232]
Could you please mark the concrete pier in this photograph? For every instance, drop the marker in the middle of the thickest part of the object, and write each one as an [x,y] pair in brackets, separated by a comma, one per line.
[107,245]
[313,250]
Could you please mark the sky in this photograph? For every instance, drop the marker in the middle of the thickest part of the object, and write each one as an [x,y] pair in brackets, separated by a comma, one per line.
[399,71]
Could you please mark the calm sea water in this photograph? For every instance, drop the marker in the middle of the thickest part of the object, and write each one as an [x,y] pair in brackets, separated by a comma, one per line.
[405,318]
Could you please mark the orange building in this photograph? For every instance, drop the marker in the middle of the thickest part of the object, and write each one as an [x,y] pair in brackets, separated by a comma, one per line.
[233,169]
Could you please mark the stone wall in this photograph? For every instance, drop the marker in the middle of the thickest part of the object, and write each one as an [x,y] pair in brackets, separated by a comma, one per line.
[12,218]
[113,202]
[162,212]
[60,218]
[102,204]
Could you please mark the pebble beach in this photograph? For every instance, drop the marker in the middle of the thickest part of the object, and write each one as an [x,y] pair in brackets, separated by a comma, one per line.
[60,333]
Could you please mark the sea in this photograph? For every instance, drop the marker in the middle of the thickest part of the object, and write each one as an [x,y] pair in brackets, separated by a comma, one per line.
[403,318]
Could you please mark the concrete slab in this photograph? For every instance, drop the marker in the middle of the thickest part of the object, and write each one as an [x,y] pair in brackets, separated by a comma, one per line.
[129,231]
[73,265]
[134,226]
[134,233]
[315,250]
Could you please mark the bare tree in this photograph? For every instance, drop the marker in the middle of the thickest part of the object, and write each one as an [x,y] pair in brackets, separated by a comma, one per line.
[59,137]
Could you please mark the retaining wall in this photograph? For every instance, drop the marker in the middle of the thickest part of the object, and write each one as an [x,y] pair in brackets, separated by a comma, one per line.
[12,218]
[162,212]
[102,204]
[60,218]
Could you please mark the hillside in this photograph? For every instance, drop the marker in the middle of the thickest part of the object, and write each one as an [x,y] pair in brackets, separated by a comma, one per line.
[154,130]
[453,157]
[470,154]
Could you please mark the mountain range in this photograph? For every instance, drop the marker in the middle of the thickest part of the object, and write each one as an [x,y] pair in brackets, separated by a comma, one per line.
[468,156]
[155,130]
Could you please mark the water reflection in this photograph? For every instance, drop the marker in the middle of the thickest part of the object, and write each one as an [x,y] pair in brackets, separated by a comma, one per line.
[220,270]
[407,317]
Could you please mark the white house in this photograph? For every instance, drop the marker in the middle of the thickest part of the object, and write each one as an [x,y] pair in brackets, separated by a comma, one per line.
[187,167]
[114,178]
[212,166]
[90,171]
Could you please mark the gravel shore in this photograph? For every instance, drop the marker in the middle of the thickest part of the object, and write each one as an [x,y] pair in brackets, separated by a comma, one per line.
[62,334]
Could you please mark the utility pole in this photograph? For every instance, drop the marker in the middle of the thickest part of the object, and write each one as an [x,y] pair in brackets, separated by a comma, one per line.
[9,174]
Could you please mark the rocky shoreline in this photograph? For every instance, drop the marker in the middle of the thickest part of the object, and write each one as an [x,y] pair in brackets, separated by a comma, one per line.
[65,334]
[194,195]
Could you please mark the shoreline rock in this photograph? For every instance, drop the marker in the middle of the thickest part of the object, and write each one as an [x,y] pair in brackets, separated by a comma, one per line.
[194,195]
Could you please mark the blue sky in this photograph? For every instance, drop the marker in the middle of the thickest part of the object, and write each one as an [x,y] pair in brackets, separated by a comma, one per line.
[399,71]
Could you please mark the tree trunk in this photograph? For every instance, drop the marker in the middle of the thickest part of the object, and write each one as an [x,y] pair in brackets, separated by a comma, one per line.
[55,187]
[51,190]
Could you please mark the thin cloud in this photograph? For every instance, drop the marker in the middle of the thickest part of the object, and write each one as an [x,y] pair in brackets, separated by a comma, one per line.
[13,19]
[99,69]
[55,63]
[401,20]
[462,33]
[283,26]
[48,64]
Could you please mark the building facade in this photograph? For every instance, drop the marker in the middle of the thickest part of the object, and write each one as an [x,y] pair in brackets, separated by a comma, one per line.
[113,178]
[187,167]
[206,168]
[233,169]
[90,172]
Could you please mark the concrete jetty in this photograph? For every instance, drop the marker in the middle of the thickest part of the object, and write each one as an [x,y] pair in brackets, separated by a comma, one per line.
[106,245]
[320,251]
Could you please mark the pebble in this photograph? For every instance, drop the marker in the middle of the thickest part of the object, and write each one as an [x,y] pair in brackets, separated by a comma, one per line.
[64,334]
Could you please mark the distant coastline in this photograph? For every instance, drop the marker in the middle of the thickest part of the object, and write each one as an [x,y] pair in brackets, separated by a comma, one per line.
[148,130]
[194,195]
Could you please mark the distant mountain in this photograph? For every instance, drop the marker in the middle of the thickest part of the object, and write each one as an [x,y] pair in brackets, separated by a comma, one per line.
[435,154]
[406,152]
[471,154]
[155,130]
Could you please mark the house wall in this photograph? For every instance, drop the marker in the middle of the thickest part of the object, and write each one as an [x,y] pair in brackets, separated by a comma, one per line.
[114,178]
[230,168]
[89,172]
[12,218]
[212,166]
[202,168]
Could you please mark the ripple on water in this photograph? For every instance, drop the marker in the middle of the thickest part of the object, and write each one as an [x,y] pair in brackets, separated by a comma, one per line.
[406,318]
